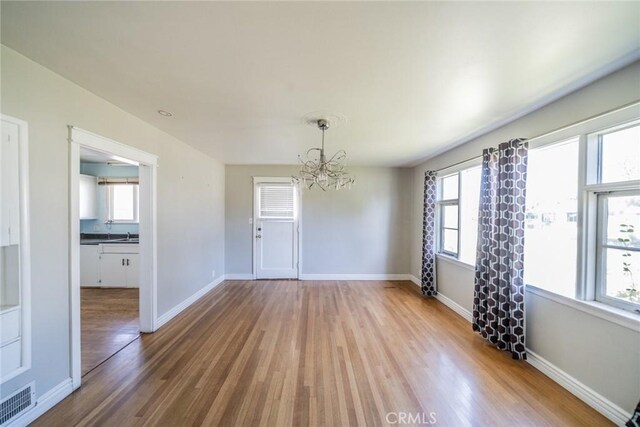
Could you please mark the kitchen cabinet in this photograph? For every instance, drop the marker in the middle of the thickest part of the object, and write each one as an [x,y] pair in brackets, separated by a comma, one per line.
[109,265]
[88,197]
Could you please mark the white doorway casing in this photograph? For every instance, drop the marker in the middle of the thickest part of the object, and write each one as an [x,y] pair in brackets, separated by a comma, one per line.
[147,164]
[276,241]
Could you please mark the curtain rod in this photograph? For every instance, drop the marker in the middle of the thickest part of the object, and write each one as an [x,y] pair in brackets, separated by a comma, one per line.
[581,122]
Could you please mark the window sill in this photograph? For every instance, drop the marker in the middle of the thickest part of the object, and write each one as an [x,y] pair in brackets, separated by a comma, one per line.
[455,261]
[612,314]
[124,222]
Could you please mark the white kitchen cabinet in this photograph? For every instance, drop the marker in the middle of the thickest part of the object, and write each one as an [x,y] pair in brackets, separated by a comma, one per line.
[89,265]
[113,270]
[88,197]
[133,271]
[109,265]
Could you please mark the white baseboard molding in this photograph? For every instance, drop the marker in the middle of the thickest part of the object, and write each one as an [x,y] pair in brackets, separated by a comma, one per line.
[466,314]
[240,276]
[160,321]
[44,403]
[415,280]
[598,402]
[355,277]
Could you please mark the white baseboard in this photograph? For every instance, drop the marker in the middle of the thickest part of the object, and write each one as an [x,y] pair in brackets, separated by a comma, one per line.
[44,403]
[241,276]
[160,321]
[355,277]
[415,280]
[598,402]
[466,314]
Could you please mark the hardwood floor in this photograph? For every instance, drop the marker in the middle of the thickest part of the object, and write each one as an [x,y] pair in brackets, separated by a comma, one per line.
[109,321]
[333,353]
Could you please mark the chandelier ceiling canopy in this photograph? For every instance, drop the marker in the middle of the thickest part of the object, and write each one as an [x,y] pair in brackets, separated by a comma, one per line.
[318,171]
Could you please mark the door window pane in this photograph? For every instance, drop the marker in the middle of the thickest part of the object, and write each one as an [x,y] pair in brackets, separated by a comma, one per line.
[450,187]
[551,218]
[620,155]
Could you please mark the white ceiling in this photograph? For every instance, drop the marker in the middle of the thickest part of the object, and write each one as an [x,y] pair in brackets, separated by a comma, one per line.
[411,78]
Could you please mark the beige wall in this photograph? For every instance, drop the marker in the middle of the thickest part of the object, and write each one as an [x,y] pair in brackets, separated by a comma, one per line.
[190,204]
[602,355]
[359,231]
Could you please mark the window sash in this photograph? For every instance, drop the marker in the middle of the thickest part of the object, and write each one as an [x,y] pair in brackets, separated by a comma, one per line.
[600,284]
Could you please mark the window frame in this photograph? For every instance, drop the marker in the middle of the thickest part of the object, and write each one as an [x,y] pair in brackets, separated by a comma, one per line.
[590,134]
[441,203]
[136,205]
[602,245]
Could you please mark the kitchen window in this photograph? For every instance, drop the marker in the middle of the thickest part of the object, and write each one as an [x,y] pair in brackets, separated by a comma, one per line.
[123,204]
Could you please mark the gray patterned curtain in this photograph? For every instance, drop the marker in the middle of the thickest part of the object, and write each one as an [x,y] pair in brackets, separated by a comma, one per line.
[429,235]
[498,300]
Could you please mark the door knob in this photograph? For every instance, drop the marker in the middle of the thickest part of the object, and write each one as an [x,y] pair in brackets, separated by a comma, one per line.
[258,236]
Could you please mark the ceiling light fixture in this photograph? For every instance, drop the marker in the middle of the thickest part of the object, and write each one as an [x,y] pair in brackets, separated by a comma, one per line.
[164,113]
[316,170]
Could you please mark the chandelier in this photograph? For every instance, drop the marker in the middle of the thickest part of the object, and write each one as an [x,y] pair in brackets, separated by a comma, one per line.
[317,171]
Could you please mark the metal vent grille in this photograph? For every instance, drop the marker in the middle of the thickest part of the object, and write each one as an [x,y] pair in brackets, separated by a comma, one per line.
[14,405]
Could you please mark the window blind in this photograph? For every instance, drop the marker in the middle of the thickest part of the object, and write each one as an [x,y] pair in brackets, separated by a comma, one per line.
[276,201]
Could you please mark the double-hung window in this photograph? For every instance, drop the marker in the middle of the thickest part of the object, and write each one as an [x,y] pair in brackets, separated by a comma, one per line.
[457,205]
[582,220]
[613,185]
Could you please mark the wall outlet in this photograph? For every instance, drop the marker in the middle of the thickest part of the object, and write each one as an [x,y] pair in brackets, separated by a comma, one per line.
[213,274]
[96,227]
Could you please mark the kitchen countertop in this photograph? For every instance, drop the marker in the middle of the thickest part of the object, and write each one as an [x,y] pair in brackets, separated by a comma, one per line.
[101,238]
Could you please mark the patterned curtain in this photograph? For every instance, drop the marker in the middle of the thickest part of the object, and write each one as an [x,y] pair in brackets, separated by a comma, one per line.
[429,235]
[498,300]
[634,421]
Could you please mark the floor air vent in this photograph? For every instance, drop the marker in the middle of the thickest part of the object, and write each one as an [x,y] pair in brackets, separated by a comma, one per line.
[17,403]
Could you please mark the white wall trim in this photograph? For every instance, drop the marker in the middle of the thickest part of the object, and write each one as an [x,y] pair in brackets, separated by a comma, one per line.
[187,302]
[598,402]
[47,401]
[148,172]
[415,280]
[460,310]
[603,311]
[240,276]
[355,277]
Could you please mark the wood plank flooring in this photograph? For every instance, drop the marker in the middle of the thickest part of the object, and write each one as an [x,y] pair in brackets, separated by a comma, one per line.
[109,321]
[335,353]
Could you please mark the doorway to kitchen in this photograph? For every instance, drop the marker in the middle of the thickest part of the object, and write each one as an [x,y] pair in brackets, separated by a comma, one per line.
[113,250]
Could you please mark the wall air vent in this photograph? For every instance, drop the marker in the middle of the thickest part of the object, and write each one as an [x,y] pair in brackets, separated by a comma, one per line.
[17,403]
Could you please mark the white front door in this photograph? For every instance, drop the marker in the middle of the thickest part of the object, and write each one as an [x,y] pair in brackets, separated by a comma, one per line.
[276,228]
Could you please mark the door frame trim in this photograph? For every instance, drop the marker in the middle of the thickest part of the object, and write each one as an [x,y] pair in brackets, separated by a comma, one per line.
[148,197]
[260,179]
